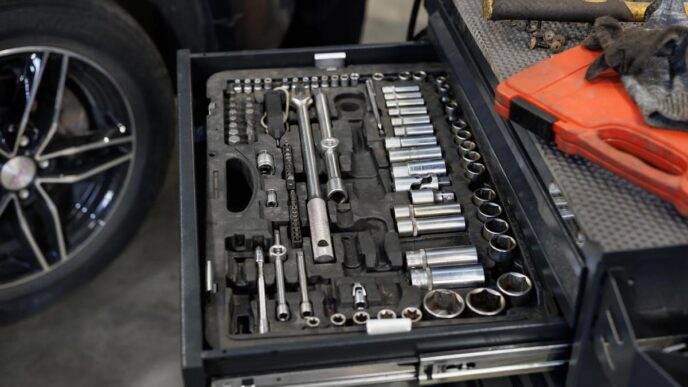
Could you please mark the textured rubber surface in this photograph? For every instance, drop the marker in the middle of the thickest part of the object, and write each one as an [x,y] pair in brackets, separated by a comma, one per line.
[610,210]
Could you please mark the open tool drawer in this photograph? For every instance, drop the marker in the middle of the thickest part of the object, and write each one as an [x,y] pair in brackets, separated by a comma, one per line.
[226,214]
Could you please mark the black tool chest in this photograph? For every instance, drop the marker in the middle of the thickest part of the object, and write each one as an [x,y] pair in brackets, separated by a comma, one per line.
[377,310]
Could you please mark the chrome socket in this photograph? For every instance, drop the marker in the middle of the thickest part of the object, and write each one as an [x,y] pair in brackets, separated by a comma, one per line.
[440,80]
[401,103]
[409,142]
[312,322]
[469,157]
[402,184]
[444,90]
[324,81]
[419,153]
[516,287]
[338,319]
[401,96]
[414,130]
[359,295]
[408,111]
[354,78]
[412,313]
[419,75]
[449,277]
[482,195]
[423,226]
[360,317]
[384,314]
[267,82]
[265,163]
[271,198]
[344,80]
[430,197]
[314,82]
[334,80]
[452,110]
[474,172]
[441,256]
[461,136]
[414,120]
[458,125]
[400,89]
[443,303]
[493,227]
[404,76]
[419,168]
[465,147]
[502,248]
[402,211]
[321,240]
[378,76]
[488,210]
[485,302]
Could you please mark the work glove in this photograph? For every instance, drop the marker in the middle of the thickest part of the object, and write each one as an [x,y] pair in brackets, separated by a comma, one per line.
[651,60]
[629,51]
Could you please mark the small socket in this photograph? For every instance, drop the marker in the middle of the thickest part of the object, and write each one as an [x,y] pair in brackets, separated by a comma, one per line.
[386,314]
[271,200]
[493,227]
[458,126]
[516,287]
[404,76]
[265,163]
[482,195]
[412,313]
[360,317]
[474,171]
[338,319]
[489,210]
[312,322]
[465,147]
[378,76]
[502,248]
[420,75]
[469,157]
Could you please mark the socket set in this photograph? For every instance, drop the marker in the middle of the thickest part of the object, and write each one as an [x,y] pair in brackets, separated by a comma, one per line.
[353,201]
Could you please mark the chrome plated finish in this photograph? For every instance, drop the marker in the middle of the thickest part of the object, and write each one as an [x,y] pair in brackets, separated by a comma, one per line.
[418,153]
[401,103]
[412,313]
[430,197]
[419,168]
[516,287]
[423,226]
[426,210]
[402,184]
[278,253]
[408,111]
[409,142]
[338,319]
[487,210]
[305,307]
[359,294]
[441,256]
[265,162]
[482,195]
[370,89]
[263,324]
[450,277]
[411,120]
[384,314]
[400,89]
[328,148]
[443,304]
[502,248]
[485,302]
[400,96]
[414,130]
[493,227]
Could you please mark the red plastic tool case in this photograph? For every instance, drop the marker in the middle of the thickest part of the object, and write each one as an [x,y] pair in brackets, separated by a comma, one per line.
[598,121]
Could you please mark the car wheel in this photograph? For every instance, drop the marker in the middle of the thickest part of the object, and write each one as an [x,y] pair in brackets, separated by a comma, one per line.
[86,123]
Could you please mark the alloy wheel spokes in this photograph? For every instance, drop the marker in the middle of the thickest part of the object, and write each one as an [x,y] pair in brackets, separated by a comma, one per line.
[59,95]
[38,64]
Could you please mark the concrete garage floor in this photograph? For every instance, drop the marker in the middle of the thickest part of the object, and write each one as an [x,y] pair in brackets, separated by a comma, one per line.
[122,328]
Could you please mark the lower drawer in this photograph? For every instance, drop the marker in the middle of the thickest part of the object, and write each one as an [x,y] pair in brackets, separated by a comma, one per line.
[404,278]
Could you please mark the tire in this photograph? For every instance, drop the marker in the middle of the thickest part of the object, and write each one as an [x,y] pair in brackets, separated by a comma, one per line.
[100,34]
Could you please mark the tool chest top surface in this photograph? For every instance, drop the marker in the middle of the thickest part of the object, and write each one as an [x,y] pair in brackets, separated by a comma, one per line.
[609,210]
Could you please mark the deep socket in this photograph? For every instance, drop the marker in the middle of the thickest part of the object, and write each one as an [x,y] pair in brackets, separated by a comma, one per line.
[449,277]
[413,130]
[409,142]
[419,153]
[271,198]
[395,95]
[354,78]
[426,210]
[408,111]
[265,163]
[485,302]
[431,197]
[329,152]
[400,89]
[441,256]
[423,226]
[443,303]
[516,287]
[419,168]
[413,120]
[401,103]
